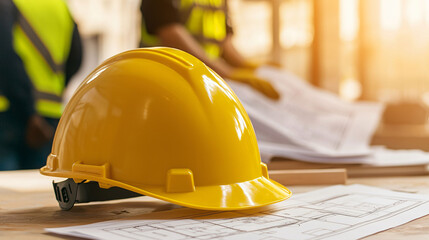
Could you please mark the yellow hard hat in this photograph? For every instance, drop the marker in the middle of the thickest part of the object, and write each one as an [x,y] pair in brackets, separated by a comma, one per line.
[158,122]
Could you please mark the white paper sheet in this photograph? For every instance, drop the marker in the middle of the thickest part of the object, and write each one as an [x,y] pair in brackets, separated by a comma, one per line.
[384,157]
[338,212]
[308,118]
[379,156]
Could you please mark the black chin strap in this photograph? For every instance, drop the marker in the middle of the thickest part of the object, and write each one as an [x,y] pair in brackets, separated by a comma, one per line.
[68,193]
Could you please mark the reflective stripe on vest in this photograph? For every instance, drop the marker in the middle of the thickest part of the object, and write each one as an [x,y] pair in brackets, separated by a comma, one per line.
[49,108]
[4,103]
[204,19]
[43,42]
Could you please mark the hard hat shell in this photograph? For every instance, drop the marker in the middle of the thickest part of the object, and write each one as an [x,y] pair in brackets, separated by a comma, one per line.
[158,122]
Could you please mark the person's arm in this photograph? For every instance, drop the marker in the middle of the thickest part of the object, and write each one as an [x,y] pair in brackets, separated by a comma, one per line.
[231,55]
[177,36]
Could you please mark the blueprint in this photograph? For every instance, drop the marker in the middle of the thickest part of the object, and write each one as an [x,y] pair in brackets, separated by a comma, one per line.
[338,212]
[308,123]
[308,117]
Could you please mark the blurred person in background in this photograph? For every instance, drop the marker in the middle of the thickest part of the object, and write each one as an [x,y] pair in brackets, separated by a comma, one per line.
[40,50]
[201,28]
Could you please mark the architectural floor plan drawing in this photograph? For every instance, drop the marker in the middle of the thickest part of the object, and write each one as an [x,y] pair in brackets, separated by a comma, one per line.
[338,212]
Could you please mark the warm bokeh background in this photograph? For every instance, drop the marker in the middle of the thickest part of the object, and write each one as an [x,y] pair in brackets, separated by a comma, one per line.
[360,49]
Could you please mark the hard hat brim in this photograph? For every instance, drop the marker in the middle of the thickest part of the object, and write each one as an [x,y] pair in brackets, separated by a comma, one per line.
[238,196]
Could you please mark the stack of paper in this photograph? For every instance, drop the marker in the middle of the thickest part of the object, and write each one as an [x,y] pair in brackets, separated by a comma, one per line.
[310,124]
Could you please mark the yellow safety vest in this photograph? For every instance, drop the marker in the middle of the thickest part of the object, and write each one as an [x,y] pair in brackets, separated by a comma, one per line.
[204,19]
[42,38]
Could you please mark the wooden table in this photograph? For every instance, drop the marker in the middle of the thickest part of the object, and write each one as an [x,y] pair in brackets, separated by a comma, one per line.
[28,205]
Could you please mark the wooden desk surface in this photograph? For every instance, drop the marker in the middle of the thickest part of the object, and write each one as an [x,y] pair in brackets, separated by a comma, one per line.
[28,205]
